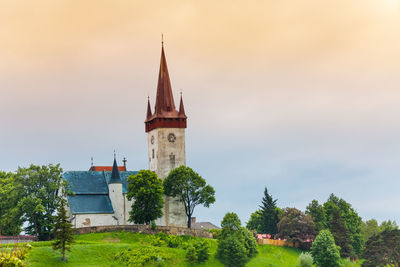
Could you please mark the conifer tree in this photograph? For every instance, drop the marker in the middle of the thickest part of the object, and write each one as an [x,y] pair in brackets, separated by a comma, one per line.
[63,232]
[269,214]
[341,234]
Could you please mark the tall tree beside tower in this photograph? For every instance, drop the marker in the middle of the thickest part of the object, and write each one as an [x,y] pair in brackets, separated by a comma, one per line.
[190,188]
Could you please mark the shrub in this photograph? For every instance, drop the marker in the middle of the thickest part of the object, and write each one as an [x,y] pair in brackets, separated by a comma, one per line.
[141,256]
[153,225]
[324,251]
[14,256]
[305,260]
[231,252]
[202,251]
[191,254]
[250,243]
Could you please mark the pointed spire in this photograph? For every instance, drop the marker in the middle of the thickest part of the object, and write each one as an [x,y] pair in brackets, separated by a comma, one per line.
[181,108]
[148,109]
[165,99]
[115,178]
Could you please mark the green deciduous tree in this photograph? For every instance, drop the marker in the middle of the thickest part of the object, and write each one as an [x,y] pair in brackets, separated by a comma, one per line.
[382,249]
[323,214]
[146,189]
[317,213]
[388,225]
[190,188]
[369,228]
[255,222]
[296,226]
[269,214]
[40,186]
[324,251]
[63,232]
[11,192]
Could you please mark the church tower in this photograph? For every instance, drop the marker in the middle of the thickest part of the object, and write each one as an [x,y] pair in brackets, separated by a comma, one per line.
[165,130]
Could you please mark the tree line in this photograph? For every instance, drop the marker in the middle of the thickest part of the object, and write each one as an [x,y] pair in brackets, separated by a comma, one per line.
[335,220]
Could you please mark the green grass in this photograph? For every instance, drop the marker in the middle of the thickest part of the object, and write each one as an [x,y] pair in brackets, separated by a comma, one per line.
[99,249]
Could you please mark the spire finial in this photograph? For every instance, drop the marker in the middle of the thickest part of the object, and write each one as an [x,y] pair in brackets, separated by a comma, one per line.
[162,39]
[91,161]
[115,156]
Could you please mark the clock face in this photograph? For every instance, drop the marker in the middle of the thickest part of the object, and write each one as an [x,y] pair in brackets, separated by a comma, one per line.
[152,139]
[171,137]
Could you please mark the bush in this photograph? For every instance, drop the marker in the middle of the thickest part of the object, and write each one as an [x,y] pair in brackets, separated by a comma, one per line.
[199,252]
[231,252]
[324,251]
[141,256]
[14,256]
[250,243]
[202,251]
[305,260]
[191,254]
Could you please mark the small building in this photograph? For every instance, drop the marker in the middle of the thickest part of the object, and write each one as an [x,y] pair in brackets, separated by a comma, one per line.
[99,197]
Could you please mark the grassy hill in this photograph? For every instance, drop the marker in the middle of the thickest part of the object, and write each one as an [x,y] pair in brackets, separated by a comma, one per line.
[104,249]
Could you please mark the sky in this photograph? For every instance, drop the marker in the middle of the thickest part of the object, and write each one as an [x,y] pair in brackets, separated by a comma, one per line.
[300,96]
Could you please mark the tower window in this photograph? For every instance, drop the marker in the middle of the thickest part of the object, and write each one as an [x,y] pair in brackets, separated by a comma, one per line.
[152,153]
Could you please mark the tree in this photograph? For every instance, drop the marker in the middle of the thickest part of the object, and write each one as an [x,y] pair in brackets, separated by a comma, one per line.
[231,252]
[317,213]
[230,223]
[388,225]
[296,226]
[382,249]
[190,188]
[324,251]
[341,234]
[63,232]
[269,214]
[352,219]
[369,228]
[255,222]
[40,185]
[11,192]
[146,189]
[236,244]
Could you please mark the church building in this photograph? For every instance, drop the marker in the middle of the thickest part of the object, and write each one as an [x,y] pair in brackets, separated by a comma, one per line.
[99,195]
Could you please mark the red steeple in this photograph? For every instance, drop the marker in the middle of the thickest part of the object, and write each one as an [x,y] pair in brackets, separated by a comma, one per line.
[165,99]
[165,114]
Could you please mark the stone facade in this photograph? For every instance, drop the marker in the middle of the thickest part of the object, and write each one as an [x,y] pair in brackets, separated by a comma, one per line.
[166,148]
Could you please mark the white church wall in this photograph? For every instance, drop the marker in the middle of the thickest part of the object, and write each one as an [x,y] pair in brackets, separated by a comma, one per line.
[87,220]
[117,201]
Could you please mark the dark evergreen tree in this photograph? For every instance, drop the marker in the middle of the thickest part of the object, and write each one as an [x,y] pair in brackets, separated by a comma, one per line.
[341,234]
[382,249]
[269,214]
[63,232]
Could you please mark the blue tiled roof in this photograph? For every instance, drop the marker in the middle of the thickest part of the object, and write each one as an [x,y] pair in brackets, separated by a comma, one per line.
[90,204]
[86,182]
[91,190]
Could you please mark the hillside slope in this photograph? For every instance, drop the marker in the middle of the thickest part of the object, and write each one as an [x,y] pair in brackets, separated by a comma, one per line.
[104,249]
